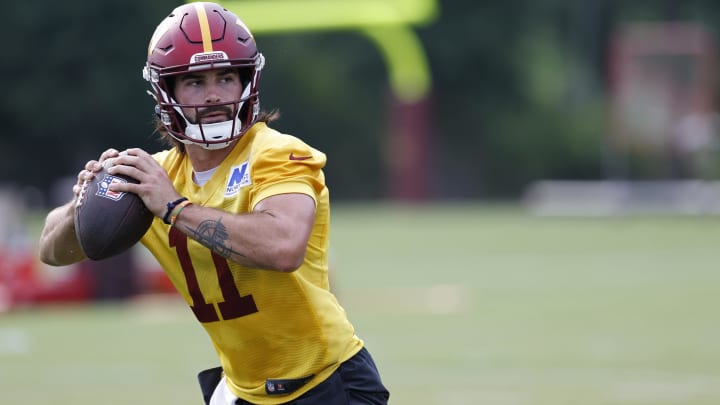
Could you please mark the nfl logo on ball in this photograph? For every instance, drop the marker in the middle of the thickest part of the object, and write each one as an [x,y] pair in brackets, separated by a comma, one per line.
[104,191]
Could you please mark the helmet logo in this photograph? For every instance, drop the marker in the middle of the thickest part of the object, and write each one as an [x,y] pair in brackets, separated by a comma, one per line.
[208,57]
[208,60]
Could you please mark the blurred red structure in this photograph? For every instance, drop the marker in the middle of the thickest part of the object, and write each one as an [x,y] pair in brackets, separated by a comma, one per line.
[408,151]
[25,281]
[662,89]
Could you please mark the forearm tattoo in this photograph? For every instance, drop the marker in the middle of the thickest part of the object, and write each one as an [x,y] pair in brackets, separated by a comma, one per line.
[214,235]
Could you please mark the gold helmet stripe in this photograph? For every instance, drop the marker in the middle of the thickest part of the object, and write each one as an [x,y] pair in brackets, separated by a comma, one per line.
[204,27]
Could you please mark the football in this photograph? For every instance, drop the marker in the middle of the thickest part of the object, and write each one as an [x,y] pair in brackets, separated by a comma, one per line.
[107,222]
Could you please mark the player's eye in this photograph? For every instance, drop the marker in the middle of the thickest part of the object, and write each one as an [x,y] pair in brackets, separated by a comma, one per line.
[190,81]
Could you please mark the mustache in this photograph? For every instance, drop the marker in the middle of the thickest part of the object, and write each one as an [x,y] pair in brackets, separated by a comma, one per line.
[220,108]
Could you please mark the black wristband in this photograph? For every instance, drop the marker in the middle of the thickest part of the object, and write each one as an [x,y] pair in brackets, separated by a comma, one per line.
[170,207]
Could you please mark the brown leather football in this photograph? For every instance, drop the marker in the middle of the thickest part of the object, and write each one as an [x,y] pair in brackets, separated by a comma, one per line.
[107,222]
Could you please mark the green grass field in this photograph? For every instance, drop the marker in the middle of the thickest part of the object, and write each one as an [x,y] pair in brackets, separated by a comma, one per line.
[459,304]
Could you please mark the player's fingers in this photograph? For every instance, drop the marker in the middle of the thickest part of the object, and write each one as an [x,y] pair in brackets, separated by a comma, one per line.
[133,157]
[83,177]
[92,166]
[80,181]
[136,158]
[127,170]
[79,188]
[109,154]
[136,152]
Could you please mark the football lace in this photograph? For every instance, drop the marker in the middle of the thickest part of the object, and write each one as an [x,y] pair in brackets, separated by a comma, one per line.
[81,194]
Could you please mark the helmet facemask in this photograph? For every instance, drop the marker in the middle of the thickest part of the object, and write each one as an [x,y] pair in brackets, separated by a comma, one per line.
[243,111]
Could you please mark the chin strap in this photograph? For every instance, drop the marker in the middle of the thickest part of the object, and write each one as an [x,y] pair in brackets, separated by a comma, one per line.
[212,132]
[200,134]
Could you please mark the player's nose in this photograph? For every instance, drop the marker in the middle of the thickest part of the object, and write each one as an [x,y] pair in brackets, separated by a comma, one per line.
[212,93]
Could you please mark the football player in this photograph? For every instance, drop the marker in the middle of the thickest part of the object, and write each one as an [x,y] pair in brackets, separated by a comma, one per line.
[241,222]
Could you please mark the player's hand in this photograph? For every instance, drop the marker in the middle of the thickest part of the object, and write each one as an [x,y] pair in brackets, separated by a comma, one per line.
[155,187]
[91,167]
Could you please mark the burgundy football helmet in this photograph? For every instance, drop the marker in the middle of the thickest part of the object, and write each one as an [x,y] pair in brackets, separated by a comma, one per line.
[197,37]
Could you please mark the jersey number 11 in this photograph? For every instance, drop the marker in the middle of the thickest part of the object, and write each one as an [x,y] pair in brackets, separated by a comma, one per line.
[233,306]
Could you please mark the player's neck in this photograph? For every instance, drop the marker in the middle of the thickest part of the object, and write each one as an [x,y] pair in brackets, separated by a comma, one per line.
[204,159]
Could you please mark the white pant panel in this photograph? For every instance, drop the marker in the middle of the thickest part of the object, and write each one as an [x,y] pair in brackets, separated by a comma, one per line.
[222,394]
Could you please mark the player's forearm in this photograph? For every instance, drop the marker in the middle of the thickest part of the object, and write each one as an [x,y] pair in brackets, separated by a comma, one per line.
[257,239]
[58,244]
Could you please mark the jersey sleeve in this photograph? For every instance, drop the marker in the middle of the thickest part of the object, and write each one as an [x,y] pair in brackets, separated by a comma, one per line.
[284,164]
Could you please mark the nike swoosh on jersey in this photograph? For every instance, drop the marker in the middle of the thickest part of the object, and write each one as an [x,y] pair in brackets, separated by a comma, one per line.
[293,157]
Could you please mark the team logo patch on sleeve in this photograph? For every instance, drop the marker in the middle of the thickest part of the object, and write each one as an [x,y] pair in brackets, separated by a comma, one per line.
[239,178]
[104,191]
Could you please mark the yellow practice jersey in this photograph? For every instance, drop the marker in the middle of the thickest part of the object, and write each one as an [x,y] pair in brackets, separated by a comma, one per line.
[264,324]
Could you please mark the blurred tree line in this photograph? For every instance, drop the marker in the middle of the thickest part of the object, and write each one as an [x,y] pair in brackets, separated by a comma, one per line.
[519,90]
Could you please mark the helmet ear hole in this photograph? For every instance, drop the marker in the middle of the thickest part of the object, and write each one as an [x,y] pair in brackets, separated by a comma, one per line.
[170,86]
[246,76]
[243,110]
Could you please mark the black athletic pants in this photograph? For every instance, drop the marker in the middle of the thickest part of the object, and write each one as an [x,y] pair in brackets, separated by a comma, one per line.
[355,382]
